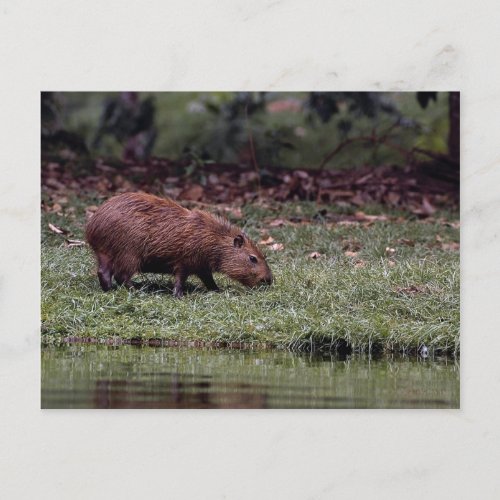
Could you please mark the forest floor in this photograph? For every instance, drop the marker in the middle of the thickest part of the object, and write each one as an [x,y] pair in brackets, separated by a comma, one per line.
[370,277]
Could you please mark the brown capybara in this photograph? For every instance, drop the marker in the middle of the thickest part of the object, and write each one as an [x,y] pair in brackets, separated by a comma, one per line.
[136,232]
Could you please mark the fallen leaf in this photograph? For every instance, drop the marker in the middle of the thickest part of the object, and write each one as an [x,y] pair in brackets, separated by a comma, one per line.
[192,193]
[407,242]
[119,180]
[55,208]
[360,263]
[74,243]
[171,180]
[427,207]
[57,229]
[90,211]
[103,185]
[277,247]
[362,217]
[52,166]
[63,200]
[393,198]
[454,224]
[453,246]
[342,204]
[301,173]
[277,222]
[391,263]
[267,241]
[105,168]
[348,223]
[357,200]
[236,212]
[348,253]
[54,183]
[339,193]
[315,255]
[213,178]
[363,179]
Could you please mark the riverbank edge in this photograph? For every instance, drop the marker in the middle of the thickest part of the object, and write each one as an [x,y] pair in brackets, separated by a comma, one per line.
[340,347]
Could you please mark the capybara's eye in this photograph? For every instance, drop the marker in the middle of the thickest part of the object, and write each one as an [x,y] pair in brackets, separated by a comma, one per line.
[253,259]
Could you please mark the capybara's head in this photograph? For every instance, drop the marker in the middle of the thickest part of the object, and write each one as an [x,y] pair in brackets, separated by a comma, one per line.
[245,263]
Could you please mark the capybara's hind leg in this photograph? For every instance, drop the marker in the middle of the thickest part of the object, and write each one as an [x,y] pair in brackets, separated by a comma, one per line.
[105,272]
[180,280]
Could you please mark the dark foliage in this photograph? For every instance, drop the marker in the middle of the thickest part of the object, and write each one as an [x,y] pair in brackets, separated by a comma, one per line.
[131,122]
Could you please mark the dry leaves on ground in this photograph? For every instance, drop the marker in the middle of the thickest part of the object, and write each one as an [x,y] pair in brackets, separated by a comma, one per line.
[407,188]
[277,247]
[452,246]
[278,222]
[55,208]
[192,193]
[362,217]
[74,243]
[425,209]
[406,242]
[234,212]
[315,255]
[348,253]
[267,241]
[57,229]
[90,210]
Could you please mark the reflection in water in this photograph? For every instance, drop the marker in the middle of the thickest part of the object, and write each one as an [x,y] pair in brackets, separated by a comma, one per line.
[98,376]
[175,394]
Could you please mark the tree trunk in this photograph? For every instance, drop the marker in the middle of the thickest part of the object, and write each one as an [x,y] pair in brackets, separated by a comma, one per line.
[454,135]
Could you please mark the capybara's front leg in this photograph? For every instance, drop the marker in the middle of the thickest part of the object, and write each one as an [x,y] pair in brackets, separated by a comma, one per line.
[180,280]
[124,279]
[123,271]
[208,280]
[105,271]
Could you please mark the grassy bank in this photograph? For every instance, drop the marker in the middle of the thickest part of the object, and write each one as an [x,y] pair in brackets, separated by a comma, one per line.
[391,284]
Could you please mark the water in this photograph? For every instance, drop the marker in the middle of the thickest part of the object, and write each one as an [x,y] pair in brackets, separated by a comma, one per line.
[99,376]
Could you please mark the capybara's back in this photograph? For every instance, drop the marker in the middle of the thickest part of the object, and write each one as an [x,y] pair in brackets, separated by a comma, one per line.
[136,232]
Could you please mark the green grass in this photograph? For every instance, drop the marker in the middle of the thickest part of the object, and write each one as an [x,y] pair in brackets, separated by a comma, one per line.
[321,302]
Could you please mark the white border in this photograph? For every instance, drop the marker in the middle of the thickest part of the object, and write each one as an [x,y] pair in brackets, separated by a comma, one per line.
[235,44]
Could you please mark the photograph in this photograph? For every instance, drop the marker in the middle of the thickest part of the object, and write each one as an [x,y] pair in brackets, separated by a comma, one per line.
[250,250]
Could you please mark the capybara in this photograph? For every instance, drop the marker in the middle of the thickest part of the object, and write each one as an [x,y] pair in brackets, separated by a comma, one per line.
[136,232]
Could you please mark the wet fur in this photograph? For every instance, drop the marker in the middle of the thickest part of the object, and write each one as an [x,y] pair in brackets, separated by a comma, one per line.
[135,232]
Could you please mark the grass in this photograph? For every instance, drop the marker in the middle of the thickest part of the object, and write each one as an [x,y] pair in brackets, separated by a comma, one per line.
[367,301]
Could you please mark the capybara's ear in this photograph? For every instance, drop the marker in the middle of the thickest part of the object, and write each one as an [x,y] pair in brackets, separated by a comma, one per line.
[238,241]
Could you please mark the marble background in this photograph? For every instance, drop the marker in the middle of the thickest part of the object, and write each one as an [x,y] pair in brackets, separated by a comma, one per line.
[248,45]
